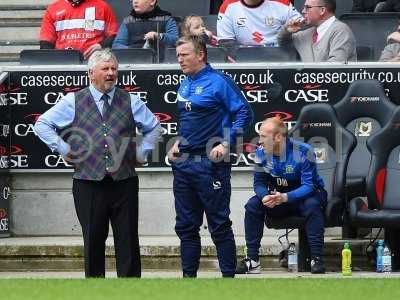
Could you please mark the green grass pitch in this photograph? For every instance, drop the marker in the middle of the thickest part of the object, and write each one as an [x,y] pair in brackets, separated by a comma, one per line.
[204,289]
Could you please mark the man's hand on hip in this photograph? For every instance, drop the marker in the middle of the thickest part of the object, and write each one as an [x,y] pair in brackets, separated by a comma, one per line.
[218,152]
[172,153]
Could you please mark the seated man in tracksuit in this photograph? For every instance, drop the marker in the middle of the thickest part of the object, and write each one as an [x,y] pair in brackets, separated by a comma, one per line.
[286,183]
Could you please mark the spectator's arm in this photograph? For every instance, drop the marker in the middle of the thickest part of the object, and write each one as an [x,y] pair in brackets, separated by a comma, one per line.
[171,33]
[389,53]
[342,45]
[225,30]
[46,45]
[121,41]
[47,30]
[293,14]
[111,28]
[284,38]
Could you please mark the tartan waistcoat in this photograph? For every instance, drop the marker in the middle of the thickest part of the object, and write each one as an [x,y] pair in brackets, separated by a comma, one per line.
[103,145]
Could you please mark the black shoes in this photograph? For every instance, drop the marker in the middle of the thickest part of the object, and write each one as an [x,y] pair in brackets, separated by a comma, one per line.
[248,266]
[317,265]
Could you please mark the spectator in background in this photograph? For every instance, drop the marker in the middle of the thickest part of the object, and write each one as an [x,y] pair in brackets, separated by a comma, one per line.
[84,25]
[146,26]
[328,39]
[392,49]
[194,25]
[388,6]
[364,5]
[253,22]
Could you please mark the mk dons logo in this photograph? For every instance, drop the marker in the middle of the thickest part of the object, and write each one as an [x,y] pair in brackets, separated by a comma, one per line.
[269,21]
[320,154]
[363,129]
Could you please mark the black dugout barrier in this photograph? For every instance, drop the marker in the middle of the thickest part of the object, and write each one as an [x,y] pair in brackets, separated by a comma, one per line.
[273,89]
[4,152]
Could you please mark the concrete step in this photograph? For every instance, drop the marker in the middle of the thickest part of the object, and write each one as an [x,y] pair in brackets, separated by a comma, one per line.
[23,14]
[20,33]
[161,253]
[9,57]
[34,42]
[25,2]
[15,22]
[16,49]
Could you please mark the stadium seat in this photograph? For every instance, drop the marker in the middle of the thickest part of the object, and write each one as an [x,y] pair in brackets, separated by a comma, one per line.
[135,55]
[185,8]
[214,55]
[383,189]
[332,145]
[265,54]
[50,57]
[372,28]
[363,110]
[365,53]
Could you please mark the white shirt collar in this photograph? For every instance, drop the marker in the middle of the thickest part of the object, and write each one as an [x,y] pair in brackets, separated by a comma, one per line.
[323,28]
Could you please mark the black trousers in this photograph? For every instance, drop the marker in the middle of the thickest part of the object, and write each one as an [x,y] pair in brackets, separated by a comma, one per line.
[99,202]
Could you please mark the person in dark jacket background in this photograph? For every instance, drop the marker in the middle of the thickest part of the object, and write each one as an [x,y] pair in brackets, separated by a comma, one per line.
[364,5]
[146,25]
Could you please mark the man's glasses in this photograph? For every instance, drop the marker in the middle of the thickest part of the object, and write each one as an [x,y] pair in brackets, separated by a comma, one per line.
[308,7]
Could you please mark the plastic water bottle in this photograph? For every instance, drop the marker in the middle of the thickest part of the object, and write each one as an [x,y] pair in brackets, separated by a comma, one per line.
[292,258]
[387,260]
[346,260]
[379,256]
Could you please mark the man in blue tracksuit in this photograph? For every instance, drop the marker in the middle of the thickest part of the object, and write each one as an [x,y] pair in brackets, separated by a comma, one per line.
[213,112]
[286,183]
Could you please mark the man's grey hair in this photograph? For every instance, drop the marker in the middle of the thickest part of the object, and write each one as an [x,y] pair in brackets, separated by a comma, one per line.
[100,56]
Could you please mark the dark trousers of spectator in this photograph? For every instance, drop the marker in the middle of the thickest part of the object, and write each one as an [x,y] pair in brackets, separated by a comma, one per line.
[311,208]
[99,202]
[203,187]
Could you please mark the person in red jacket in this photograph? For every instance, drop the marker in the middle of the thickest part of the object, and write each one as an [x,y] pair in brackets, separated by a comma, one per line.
[84,25]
